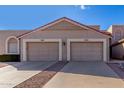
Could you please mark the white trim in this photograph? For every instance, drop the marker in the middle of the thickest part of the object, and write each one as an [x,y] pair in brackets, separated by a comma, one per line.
[68,50]
[87,40]
[24,57]
[6,45]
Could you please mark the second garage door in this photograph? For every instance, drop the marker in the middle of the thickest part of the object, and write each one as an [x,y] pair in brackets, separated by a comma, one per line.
[87,51]
[37,51]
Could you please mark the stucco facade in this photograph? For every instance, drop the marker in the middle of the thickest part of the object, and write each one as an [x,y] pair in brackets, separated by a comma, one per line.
[117,32]
[117,45]
[64,36]
[4,34]
[118,49]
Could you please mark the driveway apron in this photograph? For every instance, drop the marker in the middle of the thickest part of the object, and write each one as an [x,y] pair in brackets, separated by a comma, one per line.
[85,74]
[14,74]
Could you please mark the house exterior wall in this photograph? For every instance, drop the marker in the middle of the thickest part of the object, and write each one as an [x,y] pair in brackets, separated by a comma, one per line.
[4,35]
[118,51]
[64,35]
[69,26]
[117,32]
[110,29]
[61,31]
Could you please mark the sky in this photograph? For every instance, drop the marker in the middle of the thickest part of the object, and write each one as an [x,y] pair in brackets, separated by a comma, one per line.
[31,17]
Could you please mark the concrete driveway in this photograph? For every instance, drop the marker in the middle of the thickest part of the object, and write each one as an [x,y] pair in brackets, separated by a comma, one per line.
[16,73]
[85,74]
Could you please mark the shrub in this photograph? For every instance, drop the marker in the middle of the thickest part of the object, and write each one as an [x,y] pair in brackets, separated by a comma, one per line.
[9,58]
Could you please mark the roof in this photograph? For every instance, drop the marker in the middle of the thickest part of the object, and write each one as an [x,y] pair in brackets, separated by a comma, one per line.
[118,42]
[13,32]
[61,19]
[105,32]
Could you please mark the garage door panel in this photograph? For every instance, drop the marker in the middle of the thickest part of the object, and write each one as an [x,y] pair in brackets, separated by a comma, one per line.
[42,51]
[86,51]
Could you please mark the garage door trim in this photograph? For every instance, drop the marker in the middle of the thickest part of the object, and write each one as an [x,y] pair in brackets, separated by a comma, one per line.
[86,40]
[24,56]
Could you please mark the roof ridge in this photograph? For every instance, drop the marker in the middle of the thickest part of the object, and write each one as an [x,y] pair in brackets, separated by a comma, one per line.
[62,18]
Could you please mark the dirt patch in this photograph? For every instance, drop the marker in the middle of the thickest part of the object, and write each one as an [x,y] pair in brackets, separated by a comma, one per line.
[115,67]
[40,79]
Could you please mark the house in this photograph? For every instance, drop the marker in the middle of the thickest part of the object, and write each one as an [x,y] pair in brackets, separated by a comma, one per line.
[117,41]
[61,40]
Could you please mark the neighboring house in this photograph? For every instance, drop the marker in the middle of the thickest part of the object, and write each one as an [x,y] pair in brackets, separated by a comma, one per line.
[117,32]
[118,49]
[117,41]
[60,40]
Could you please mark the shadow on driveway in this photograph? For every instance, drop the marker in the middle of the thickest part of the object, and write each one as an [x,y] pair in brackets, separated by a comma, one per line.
[29,66]
[89,68]
[82,68]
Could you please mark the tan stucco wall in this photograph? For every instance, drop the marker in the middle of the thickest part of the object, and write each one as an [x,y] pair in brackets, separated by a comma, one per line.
[4,35]
[64,35]
[117,32]
[118,51]
[68,26]
[110,29]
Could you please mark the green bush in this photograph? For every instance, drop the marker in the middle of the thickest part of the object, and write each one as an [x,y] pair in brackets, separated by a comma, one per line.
[9,58]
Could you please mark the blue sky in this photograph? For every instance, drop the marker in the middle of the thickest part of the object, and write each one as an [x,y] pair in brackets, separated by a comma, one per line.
[30,17]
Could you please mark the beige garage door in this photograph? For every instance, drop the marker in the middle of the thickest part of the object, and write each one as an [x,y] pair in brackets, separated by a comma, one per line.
[87,51]
[43,51]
